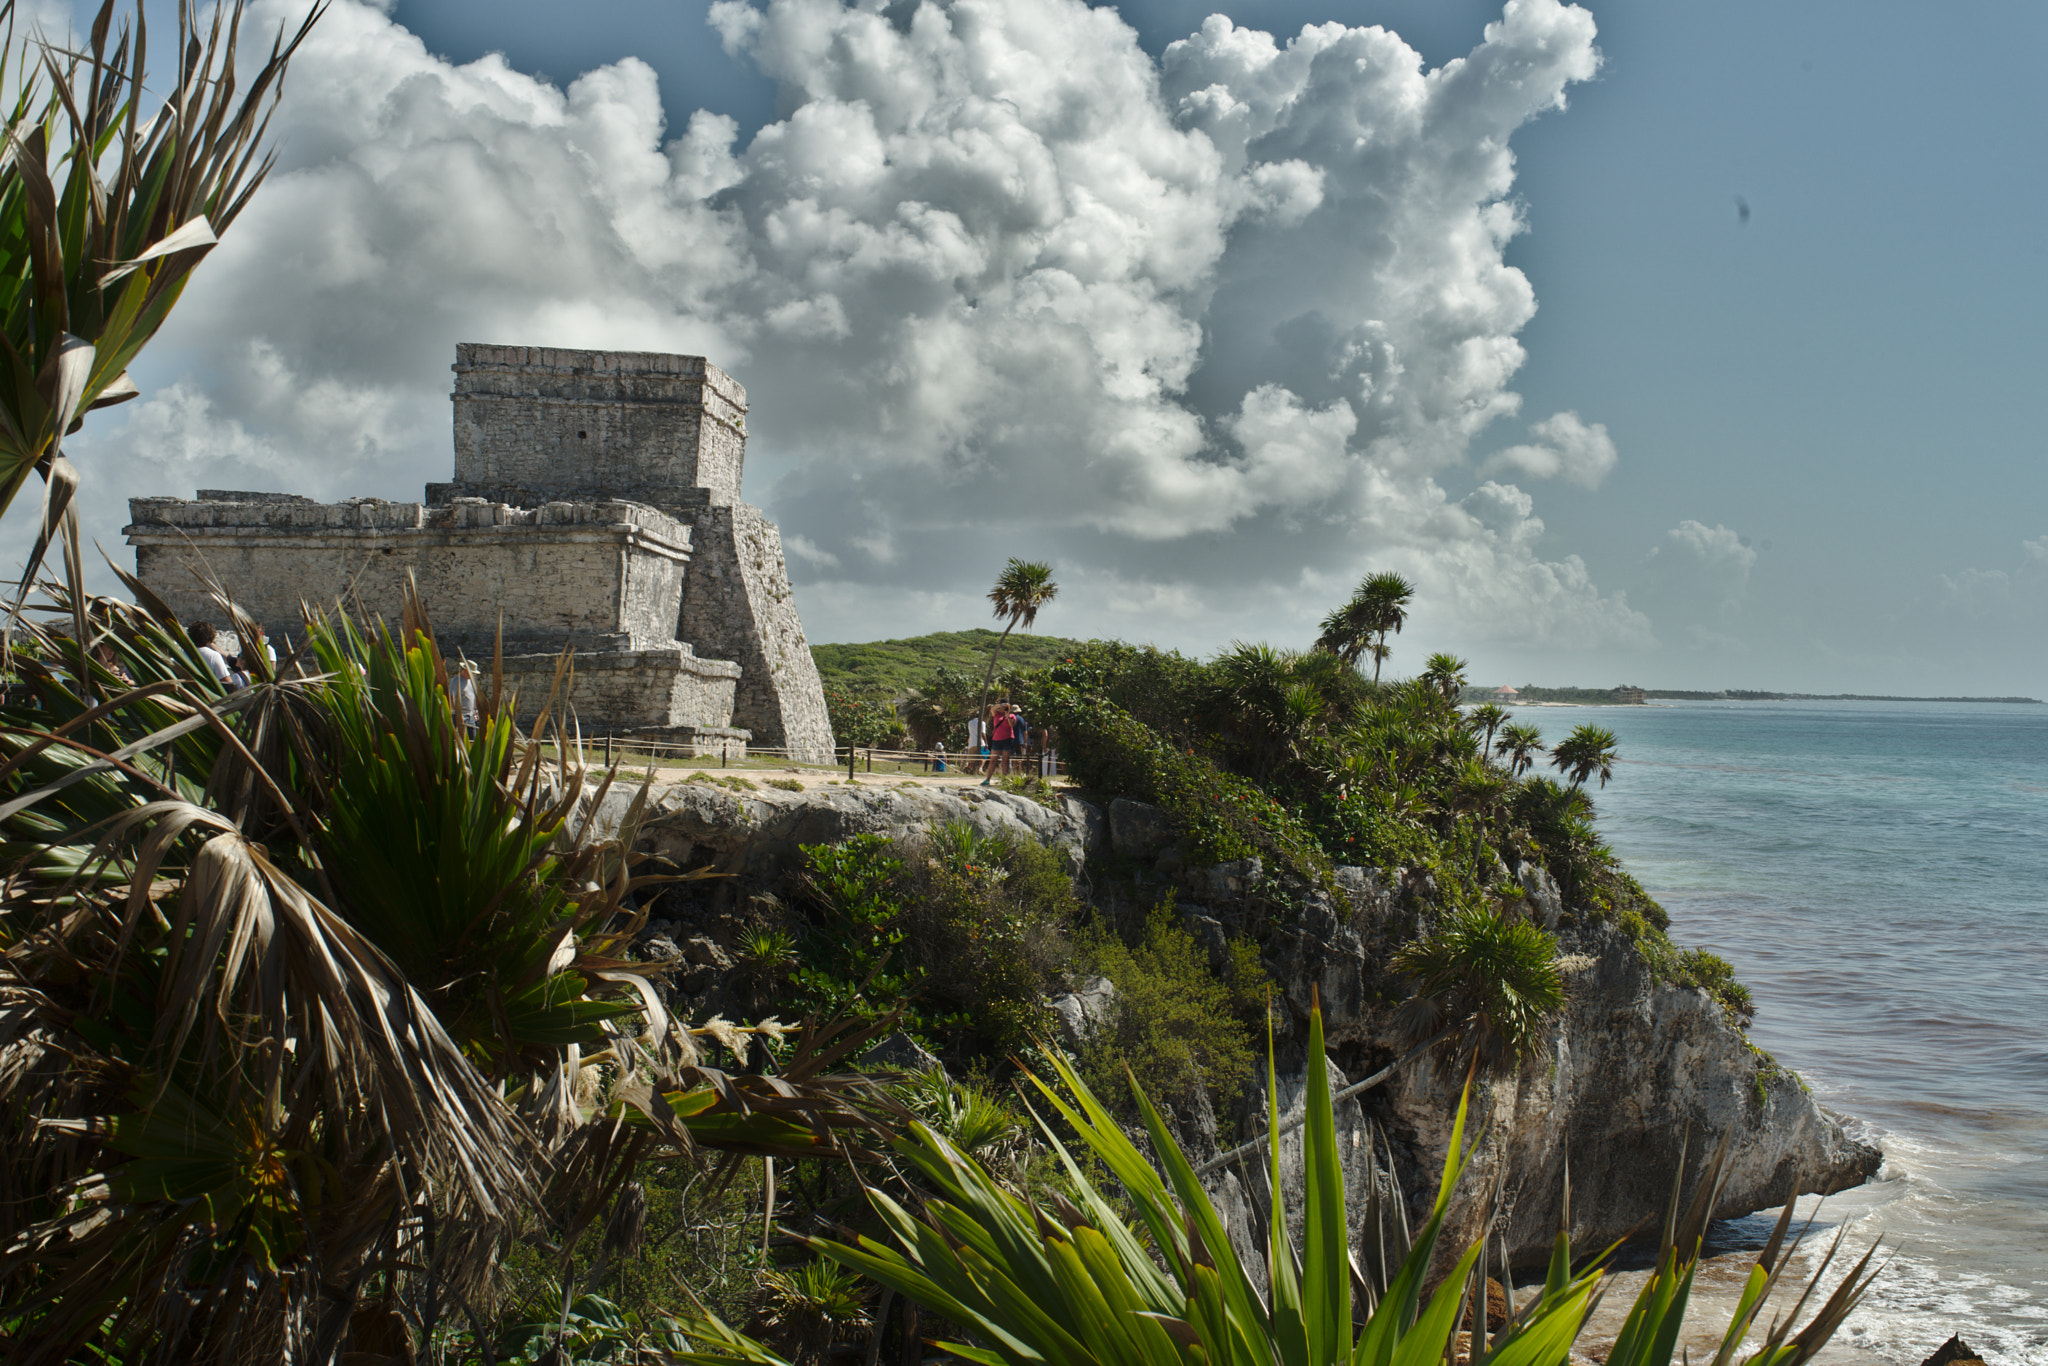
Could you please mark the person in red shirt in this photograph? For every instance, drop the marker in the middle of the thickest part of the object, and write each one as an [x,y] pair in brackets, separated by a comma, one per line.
[1004,739]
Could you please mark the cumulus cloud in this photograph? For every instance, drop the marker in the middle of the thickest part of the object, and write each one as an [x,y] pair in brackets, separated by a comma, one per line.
[1565,447]
[1697,580]
[1205,330]
[2018,590]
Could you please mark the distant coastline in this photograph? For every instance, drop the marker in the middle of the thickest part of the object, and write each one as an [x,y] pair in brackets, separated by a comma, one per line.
[1607,697]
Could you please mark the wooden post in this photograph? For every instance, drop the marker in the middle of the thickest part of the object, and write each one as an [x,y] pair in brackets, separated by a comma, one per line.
[607,750]
[724,753]
[851,755]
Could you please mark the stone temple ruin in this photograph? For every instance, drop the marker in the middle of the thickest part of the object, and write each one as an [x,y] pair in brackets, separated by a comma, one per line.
[595,505]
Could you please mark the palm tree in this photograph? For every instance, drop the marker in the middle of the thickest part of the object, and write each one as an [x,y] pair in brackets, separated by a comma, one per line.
[1021,590]
[1489,717]
[1361,625]
[1589,749]
[1519,743]
[105,210]
[1491,979]
[1446,674]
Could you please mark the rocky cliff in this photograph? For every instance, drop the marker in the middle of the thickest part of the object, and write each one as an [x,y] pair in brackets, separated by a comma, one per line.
[1633,1074]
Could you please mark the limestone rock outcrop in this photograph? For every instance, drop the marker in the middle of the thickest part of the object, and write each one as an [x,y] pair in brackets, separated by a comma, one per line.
[755,837]
[1634,1077]
[1633,1072]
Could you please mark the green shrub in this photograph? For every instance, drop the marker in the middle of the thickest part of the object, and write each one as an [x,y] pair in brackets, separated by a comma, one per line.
[861,718]
[1220,815]
[1163,690]
[849,958]
[1624,891]
[1175,1026]
[1715,975]
[1250,989]
[966,932]
[1695,968]
[1357,828]
[985,925]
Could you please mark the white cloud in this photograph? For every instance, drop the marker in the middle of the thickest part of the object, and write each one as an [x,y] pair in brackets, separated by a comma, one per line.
[2018,593]
[1204,331]
[1715,550]
[804,549]
[1565,448]
[1697,581]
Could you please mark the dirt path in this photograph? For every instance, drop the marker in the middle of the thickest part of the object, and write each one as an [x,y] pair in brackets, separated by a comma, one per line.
[821,777]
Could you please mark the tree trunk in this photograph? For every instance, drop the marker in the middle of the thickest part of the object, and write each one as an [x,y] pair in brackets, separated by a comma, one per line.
[987,679]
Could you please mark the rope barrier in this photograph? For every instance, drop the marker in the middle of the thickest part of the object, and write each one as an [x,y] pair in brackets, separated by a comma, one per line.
[627,746]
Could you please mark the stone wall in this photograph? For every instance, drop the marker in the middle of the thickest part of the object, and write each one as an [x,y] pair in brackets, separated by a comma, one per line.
[637,425]
[600,575]
[660,690]
[737,605]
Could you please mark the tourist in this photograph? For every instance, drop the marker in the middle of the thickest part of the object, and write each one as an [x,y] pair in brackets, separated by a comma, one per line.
[974,749]
[1048,757]
[269,653]
[462,697]
[939,757]
[104,654]
[1004,733]
[203,635]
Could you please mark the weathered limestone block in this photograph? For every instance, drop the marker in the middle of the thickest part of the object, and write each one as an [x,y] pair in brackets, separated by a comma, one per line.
[1082,1011]
[737,604]
[630,423]
[633,690]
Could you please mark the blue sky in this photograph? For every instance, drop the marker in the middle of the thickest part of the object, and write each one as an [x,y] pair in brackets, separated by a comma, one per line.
[1797,450]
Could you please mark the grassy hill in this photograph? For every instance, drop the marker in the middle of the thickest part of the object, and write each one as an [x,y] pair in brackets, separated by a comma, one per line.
[895,667]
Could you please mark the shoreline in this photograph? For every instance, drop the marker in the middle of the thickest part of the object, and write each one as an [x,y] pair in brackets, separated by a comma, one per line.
[1597,697]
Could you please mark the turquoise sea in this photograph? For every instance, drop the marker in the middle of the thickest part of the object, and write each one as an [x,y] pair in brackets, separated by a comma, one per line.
[1878,875]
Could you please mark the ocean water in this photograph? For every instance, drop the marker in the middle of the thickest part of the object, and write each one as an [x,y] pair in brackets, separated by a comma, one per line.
[1878,875]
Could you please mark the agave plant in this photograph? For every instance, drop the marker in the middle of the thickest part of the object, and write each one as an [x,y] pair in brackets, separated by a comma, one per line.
[1073,1283]
[305,995]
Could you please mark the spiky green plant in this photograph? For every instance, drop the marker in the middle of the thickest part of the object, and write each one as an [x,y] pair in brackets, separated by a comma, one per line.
[304,993]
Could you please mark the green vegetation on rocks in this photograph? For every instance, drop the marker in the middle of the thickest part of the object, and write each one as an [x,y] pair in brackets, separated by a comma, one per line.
[1296,758]
[963,932]
[1174,1021]
[897,668]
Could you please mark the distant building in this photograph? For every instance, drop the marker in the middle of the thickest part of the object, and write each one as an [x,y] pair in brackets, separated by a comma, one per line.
[1633,697]
[595,505]
[1506,695]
